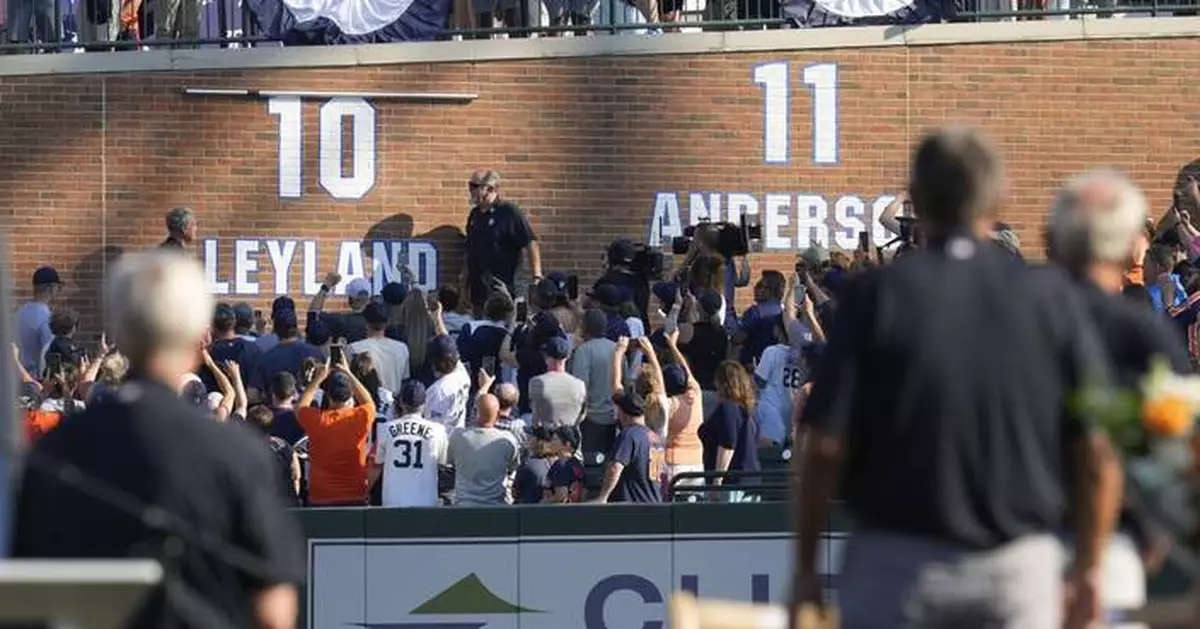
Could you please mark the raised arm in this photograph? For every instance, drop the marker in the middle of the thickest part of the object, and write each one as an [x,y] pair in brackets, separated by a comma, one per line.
[241,402]
[680,359]
[317,305]
[228,394]
[362,397]
[314,385]
[618,366]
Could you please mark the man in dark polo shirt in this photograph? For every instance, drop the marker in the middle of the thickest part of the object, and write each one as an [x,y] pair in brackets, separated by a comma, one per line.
[956,402]
[143,474]
[497,233]
[182,228]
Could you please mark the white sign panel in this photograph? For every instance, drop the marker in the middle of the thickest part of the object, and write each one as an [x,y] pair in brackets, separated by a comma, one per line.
[539,583]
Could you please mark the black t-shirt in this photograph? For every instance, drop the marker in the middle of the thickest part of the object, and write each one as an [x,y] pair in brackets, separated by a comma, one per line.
[214,481]
[949,376]
[495,238]
[706,349]
[171,243]
[641,452]
[637,286]
[1133,335]
[531,362]
[285,425]
[351,326]
[730,427]
[69,352]
[244,353]
[530,480]
[484,341]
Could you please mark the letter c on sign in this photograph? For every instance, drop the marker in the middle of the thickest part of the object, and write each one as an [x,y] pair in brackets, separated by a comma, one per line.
[593,608]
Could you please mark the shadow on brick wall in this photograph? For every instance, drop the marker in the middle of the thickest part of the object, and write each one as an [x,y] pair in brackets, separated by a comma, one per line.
[449,240]
[84,288]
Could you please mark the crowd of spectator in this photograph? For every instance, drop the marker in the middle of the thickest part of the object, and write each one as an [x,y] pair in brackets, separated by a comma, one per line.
[414,399]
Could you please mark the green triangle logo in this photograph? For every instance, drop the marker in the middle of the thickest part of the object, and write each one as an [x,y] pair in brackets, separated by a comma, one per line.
[469,595]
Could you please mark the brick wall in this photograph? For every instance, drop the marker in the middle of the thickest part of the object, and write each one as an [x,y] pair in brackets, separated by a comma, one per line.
[89,163]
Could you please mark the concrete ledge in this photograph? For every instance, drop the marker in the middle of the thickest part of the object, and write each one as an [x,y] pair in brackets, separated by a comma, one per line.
[600,45]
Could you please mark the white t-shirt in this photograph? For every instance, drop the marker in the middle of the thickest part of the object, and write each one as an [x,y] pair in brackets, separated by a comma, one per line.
[410,449]
[446,399]
[780,369]
[390,357]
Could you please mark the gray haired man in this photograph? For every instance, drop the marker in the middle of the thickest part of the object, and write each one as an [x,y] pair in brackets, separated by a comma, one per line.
[181,229]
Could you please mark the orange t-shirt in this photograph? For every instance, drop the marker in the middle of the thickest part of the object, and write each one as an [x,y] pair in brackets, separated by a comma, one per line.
[39,422]
[337,453]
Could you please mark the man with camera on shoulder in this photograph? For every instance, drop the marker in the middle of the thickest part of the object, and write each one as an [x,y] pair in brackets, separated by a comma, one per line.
[627,268]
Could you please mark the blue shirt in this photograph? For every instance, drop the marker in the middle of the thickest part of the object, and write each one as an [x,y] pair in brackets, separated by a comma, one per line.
[758,322]
[288,356]
[285,426]
[640,450]
[1156,296]
[729,427]
[530,480]
[617,327]
[245,353]
[33,334]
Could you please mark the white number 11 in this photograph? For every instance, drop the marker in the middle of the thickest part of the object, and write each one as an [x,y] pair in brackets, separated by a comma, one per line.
[821,78]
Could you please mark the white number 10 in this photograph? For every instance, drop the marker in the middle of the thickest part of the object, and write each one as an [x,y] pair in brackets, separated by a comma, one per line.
[821,78]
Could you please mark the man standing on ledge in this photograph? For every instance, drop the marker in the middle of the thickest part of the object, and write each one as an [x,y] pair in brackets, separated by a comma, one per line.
[181,229]
[497,232]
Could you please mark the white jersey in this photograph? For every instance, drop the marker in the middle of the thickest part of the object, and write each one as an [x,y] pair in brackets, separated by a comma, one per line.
[410,449]
[779,368]
[446,399]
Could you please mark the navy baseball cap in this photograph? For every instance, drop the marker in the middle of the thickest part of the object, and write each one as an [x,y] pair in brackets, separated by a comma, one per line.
[338,386]
[559,279]
[631,403]
[557,347]
[282,303]
[224,311]
[394,293]
[46,275]
[284,319]
[606,295]
[412,393]
[665,291]
[710,302]
[621,251]
[547,290]
[441,347]
[674,379]
[376,313]
[317,332]
[244,313]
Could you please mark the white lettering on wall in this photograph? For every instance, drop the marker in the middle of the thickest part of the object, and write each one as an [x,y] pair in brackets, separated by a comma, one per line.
[777,210]
[702,206]
[215,286]
[331,176]
[247,259]
[281,253]
[848,213]
[741,204]
[811,213]
[664,221]
[879,235]
[245,267]
[821,79]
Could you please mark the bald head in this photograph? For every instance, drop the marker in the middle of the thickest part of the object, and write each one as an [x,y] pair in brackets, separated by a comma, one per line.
[956,179]
[1096,218]
[508,395]
[488,409]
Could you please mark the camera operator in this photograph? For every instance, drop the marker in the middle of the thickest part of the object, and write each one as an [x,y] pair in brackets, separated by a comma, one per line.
[620,273]
[708,265]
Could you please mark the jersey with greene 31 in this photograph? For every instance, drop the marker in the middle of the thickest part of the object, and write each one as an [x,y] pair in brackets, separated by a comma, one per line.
[410,449]
[780,373]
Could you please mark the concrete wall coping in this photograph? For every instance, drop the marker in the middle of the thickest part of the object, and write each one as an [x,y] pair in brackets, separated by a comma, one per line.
[480,51]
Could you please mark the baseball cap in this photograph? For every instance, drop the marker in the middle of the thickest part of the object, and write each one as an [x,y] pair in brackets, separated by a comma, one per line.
[412,393]
[358,287]
[441,347]
[224,311]
[547,290]
[621,251]
[394,293]
[568,434]
[376,313]
[244,313]
[674,379]
[284,319]
[559,279]
[282,303]
[541,432]
[631,403]
[557,347]
[815,255]
[338,386]
[46,275]
[595,322]
[317,332]
[710,302]
[665,292]
[606,295]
